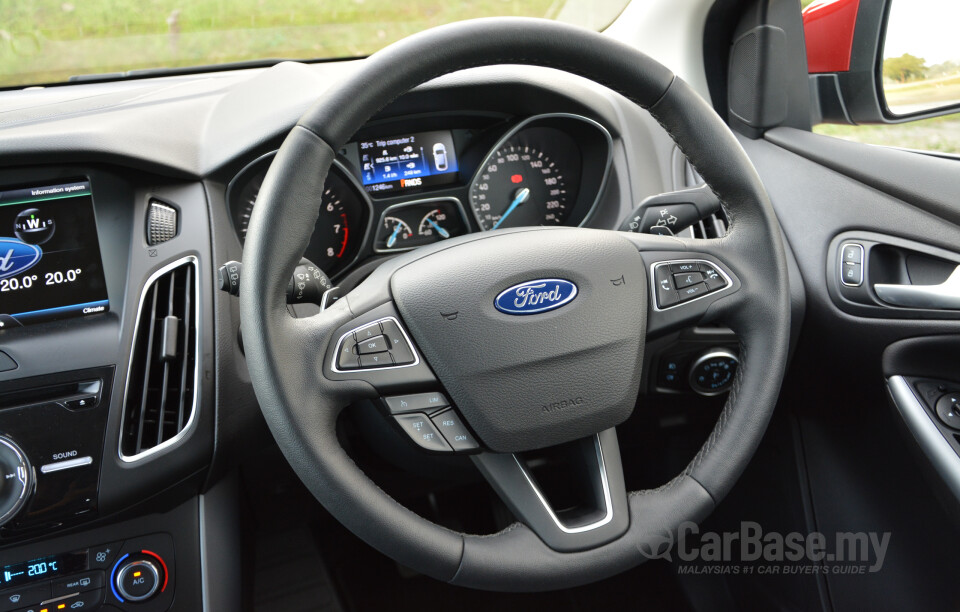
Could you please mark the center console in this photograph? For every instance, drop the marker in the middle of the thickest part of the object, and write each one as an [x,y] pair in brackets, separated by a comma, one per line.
[106,419]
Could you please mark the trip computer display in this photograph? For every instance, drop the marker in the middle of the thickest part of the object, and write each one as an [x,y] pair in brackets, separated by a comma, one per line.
[50,266]
[410,161]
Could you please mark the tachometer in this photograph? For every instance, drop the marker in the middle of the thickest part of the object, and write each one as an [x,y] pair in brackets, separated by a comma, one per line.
[520,185]
[340,225]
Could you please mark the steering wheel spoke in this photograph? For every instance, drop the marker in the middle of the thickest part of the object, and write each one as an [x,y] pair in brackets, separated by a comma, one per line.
[591,509]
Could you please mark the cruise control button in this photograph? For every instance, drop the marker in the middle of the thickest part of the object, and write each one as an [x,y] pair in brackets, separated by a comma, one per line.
[454,431]
[688,293]
[421,430]
[377,344]
[399,347]
[686,279]
[666,293]
[78,583]
[418,402]
[367,332]
[376,360]
[684,266]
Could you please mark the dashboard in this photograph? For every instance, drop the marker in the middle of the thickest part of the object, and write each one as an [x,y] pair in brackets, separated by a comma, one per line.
[124,393]
[404,184]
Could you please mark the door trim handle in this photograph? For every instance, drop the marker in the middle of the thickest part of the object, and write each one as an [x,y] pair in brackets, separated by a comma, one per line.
[920,423]
[945,296]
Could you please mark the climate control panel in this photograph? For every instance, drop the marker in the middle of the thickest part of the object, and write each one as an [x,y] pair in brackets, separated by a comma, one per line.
[132,575]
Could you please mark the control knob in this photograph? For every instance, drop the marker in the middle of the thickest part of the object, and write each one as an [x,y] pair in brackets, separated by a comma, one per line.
[16,479]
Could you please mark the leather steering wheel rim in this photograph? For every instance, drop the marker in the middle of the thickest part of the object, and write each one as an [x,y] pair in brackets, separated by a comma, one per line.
[286,356]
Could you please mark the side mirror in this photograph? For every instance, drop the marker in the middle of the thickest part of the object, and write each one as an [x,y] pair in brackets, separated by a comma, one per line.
[882,61]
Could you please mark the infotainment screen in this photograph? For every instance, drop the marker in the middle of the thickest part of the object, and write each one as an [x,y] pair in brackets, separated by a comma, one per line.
[407,161]
[50,266]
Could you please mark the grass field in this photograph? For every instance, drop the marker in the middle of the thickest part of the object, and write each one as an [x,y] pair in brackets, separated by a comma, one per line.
[918,95]
[49,40]
[938,134]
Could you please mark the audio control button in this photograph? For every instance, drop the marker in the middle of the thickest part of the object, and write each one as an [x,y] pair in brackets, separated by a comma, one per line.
[16,479]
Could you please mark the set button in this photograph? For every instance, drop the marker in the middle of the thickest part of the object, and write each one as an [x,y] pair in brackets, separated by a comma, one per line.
[431,422]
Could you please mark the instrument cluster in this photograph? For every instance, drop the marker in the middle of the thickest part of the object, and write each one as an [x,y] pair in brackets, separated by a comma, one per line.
[409,188]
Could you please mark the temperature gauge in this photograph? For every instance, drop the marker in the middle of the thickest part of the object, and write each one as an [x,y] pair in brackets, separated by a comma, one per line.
[412,224]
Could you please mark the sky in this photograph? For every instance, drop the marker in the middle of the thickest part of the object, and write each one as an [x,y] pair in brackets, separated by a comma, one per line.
[924,28]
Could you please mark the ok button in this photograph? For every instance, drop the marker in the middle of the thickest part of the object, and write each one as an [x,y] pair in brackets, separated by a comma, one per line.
[377,344]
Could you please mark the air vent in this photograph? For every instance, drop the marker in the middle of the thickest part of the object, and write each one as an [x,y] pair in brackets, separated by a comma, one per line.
[685,177]
[160,397]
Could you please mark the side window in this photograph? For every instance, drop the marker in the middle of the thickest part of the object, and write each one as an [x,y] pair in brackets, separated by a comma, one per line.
[918,69]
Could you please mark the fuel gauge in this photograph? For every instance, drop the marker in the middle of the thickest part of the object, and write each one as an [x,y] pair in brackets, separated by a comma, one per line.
[433,220]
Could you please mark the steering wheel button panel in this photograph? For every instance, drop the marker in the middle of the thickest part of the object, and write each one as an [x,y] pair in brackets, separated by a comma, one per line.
[666,292]
[693,291]
[347,359]
[376,360]
[686,279]
[422,431]
[684,266]
[368,331]
[678,282]
[711,277]
[418,402]
[399,347]
[454,431]
[376,344]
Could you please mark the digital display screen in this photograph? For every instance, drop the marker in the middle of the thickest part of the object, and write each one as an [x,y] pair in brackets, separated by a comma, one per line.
[50,266]
[405,162]
[43,568]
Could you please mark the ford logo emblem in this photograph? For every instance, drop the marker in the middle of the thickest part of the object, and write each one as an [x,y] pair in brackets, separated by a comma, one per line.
[17,257]
[536,296]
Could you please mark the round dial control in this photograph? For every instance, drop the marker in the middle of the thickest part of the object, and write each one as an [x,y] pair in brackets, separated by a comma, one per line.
[16,479]
[138,580]
[948,409]
[712,373]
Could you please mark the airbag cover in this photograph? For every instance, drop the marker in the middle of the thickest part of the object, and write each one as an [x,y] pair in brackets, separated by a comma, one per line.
[535,378]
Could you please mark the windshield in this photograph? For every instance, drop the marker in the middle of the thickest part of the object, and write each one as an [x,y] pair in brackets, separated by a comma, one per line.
[49,41]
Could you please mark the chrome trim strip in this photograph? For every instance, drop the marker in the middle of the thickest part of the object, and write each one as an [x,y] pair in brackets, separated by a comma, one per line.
[607,502]
[925,431]
[383,215]
[653,282]
[520,126]
[192,421]
[65,465]
[336,353]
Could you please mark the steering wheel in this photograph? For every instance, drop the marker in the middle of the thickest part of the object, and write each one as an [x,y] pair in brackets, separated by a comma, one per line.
[558,375]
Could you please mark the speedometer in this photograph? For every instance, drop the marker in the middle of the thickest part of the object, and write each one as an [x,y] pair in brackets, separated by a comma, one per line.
[520,185]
